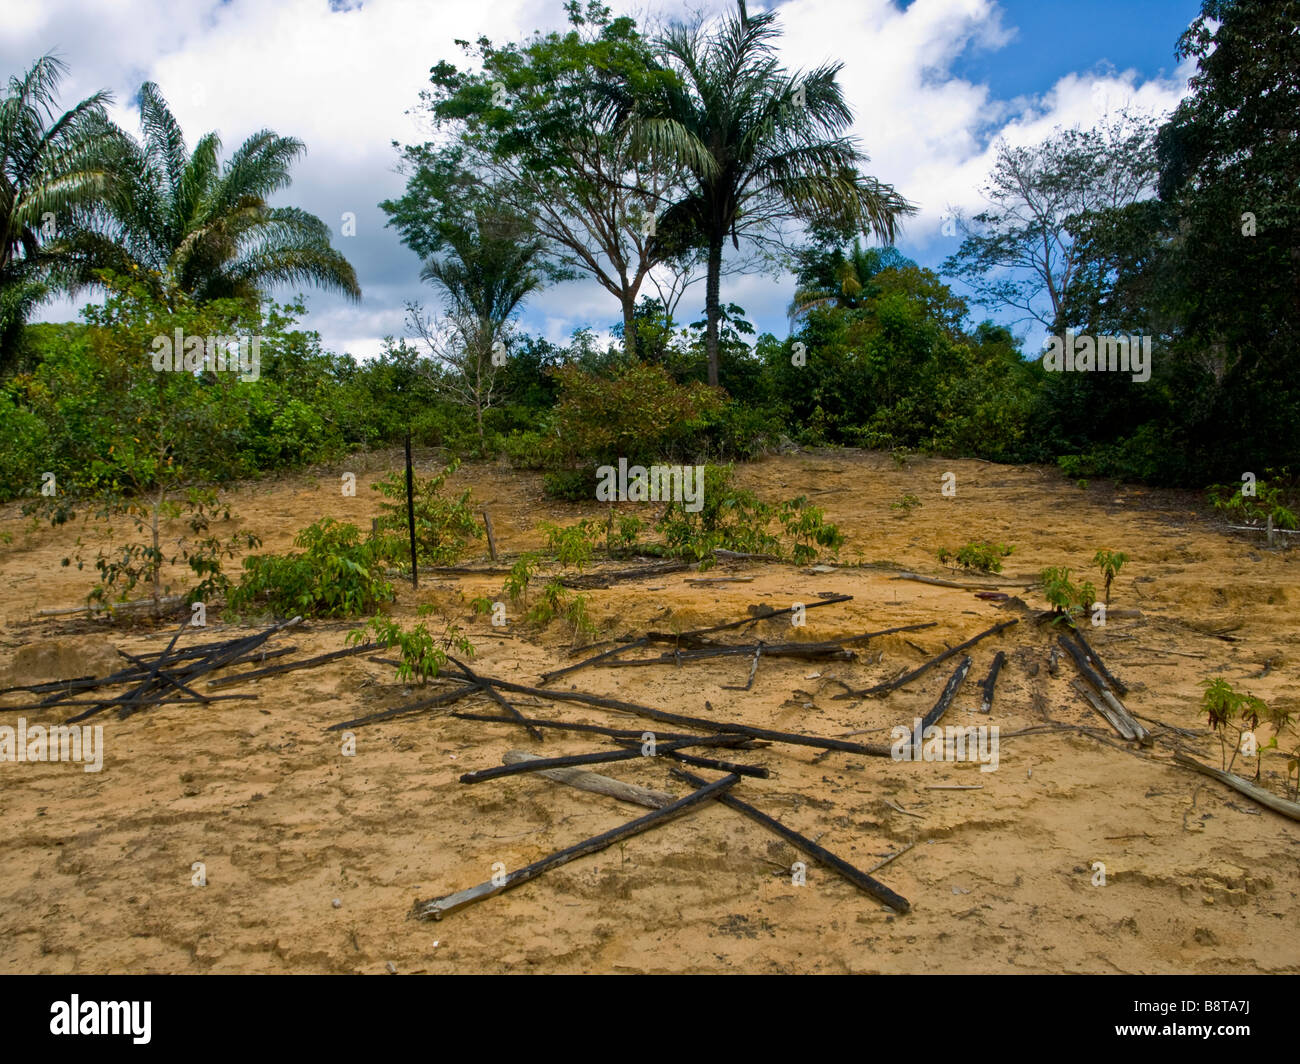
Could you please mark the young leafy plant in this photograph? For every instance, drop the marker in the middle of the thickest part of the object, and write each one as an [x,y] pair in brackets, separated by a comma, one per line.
[423,655]
[1226,708]
[444,527]
[1109,562]
[574,545]
[1065,599]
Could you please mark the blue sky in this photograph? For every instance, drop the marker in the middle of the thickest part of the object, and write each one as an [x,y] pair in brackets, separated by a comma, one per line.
[934,83]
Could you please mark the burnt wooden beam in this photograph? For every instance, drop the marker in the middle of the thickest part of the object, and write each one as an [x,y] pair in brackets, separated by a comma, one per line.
[437,908]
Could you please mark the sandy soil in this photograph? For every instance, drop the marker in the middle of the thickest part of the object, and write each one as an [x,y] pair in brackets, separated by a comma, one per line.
[96,870]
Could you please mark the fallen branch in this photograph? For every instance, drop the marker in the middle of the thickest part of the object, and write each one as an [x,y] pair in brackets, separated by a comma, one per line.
[765,614]
[755,771]
[940,707]
[1264,797]
[547,677]
[496,697]
[446,698]
[437,908]
[594,729]
[641,572]
[856,876]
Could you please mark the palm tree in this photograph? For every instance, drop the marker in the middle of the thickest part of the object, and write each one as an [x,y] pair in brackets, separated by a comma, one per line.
[189,223]
[49,168]
[761,145]
[488,270]
[840,280]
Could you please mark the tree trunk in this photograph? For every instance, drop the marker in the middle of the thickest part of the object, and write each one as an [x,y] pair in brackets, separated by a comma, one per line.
[711,309]
[629,324]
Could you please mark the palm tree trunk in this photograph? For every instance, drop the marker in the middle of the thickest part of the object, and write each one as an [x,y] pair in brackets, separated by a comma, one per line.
[711,309]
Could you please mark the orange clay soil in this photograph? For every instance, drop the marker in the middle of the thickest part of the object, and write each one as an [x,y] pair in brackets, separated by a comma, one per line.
[96,875]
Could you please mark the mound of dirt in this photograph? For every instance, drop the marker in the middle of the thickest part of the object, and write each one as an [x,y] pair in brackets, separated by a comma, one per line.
[63,658]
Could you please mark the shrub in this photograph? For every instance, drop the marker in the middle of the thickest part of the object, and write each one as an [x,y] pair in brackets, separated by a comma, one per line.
[336,575]
[978,555]
[1275,497]
[444,527]
[735,519]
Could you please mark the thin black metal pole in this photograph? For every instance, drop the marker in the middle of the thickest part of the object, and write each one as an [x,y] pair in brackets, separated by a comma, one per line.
[410,512]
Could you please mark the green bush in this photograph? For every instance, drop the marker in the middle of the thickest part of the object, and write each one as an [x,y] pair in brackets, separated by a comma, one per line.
[336,575]
[444,527]
[978,555]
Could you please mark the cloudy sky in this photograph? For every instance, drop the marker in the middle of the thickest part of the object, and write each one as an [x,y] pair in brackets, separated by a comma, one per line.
[933,83]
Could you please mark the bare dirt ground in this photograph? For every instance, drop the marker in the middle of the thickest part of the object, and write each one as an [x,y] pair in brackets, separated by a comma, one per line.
[96,870]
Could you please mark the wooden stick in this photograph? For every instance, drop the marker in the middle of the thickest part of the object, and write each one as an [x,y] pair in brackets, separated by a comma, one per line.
[291,666]
[600,757]
[669,637]
[168,678]
[134,604]
[991,679]
[1106,712]
[1259,794]
[1103,688]
[492,540]
[949,692]
[410,513]
[496,697]
[727,727]
[437,908]
[547,677]
[642,572]
[595,729]
[891,857]
[858,878]
[443,699]
[756,771]
[893,685]
[154,700]
[597,784]
[137,694]
[962,587]
[753,671]
[1119,685]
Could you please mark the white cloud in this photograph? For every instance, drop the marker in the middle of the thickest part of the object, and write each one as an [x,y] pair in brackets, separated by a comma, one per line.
[343,81]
